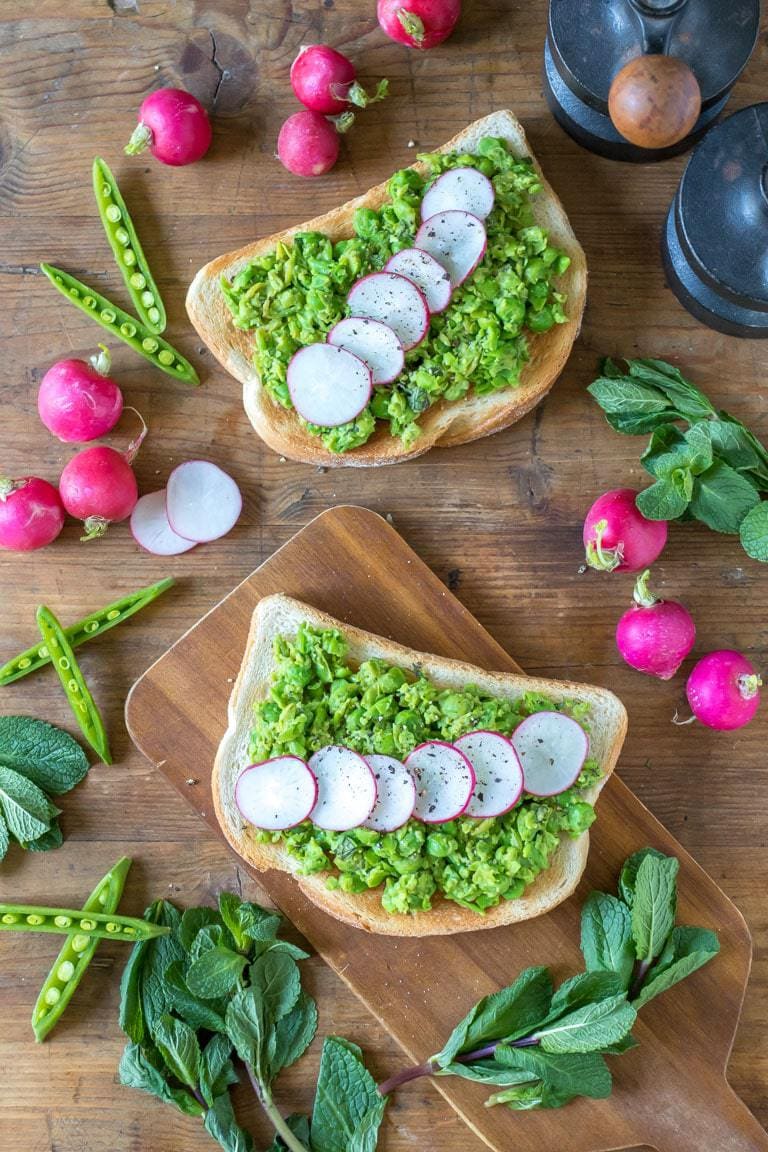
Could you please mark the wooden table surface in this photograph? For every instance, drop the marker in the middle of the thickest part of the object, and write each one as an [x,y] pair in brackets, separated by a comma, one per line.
[499,520]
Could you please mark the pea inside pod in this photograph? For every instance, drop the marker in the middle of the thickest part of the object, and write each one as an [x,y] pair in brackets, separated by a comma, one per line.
[126,248]
[82,926]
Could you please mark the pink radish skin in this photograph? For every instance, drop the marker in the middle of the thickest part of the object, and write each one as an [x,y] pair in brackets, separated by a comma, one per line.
[202,502]
[98,487]
[31,513]
[723,690]
[151,530]
[78,401]
[418,23]
[618,538]
[444,780]
[655,636]
[174,126]
[277,794]
[321,78]
[308,144]
[498,773]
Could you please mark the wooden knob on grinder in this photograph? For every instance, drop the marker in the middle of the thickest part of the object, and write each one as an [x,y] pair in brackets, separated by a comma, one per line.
[654,101]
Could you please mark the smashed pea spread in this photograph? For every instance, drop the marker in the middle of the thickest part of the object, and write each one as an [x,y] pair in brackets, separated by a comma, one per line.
[294,295]
[317,697]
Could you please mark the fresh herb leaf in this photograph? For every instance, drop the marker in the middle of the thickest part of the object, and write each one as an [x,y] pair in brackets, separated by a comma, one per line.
[193,920]
[275,977]
[628,874]
[299,1125]
[530,1098]
[348,1108]
[668,498]
[753,532]
[53,838]
[247,1028]
[220,1123]
[736,445]
[688,400]
[654,905]
[572,1073]
[686,950]
[138,1070]
[722,498]
[177,1044]
[216,1071]
[5,837]
[504,1015]
[292,1035]
[583,989]
[488,1072]
[157,959]
[590,1028]
[215,973]
[46,755]
[197,1013]
[606,936]
[671,450]
[27,810]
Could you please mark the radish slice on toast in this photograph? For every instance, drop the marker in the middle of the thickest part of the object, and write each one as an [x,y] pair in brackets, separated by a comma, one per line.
[328,385]
[203,503]
[346,789]
[426,273]
[276,794]
[461,189]
[444,781]
[552,748]
[457,240]
[151,530]
[499,775]
[395,301]
[395,794]
[376,344]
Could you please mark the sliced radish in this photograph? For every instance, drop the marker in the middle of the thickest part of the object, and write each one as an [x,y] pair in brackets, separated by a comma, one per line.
[395,301]
[499,775]
[444,781]
[376,344]
[426,273]
[460,189]
[202,502]
[276,794]
[328,385]
[457,240]
[552,748]
[395,794]
[346,789]
[151,530]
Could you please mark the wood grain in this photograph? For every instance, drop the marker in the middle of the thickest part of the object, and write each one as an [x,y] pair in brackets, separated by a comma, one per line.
[498,521]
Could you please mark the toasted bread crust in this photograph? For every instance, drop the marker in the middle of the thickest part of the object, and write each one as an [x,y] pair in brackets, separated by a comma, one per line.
[281,615]
[447,423]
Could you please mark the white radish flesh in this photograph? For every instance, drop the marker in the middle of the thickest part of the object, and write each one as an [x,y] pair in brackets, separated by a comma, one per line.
[328,385]
[376,344]
[346,789]
[427,274]
[395,794]
[552,748]
[457,240]
[394,300]
[444,781]
[151,530]
[499,775]
[276,794]
[203,503]
[460,189]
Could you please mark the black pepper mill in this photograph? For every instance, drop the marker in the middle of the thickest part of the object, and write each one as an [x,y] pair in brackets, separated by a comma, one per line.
[642,80]
[715,244]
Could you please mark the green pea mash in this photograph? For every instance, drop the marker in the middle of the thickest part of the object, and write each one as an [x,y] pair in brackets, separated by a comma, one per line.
[317,697]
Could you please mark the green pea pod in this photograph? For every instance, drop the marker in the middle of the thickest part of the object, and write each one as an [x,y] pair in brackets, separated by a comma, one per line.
[94,625]
[70,964]
[73,682]
[126,248]
[121,325]
[83,926]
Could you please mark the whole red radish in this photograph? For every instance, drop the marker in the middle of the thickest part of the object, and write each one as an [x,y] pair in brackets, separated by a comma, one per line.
[418,23]
[617,536]
[174,126]
[324,80]
[98,487]
[723,690]
[31,513]
[655,636]
[308,144]
[78,401]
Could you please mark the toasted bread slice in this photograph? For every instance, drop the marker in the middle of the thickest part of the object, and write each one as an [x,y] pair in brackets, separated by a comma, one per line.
[446,423]
[280,615]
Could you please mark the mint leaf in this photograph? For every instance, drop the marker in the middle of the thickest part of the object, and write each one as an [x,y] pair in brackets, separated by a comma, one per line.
[654,905]
[292,1035]
[489,1072]
[275,977]
[27,810]
[686,950]
[606,936]
[53,838]
[687,400]
[215,973]
[575,1074]
[753,531]
[248,1029]
[177,1044]
[668,498]
[158,956]
[220,1123]
[193,1009]
[348,1108]
[46,755]
[589,1028]
[583,989]
[722,497]
[671,450]
[736,445]
[628,874]
[505,1015]
[5,839]
[530,1098]
[137,1070]
[193,920]
[216,1072]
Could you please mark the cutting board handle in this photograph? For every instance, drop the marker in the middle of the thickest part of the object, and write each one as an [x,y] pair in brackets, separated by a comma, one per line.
[717,1120]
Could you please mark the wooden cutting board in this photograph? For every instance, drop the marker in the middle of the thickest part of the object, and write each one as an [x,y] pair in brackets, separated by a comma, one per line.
[671,1092]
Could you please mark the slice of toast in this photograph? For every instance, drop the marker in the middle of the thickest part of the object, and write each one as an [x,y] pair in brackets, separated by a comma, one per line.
[447,423]
[281,616]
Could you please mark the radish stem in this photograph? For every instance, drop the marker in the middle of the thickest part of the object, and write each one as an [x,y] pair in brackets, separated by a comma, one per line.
[642,594]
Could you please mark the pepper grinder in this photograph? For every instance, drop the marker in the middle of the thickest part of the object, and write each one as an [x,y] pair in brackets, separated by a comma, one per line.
[715,244]
[642,80]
